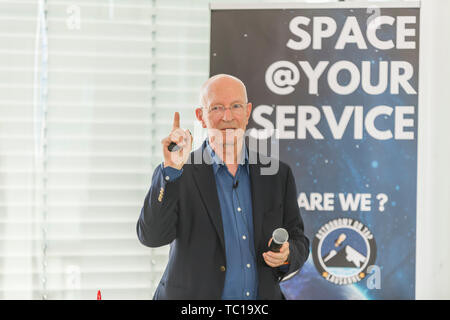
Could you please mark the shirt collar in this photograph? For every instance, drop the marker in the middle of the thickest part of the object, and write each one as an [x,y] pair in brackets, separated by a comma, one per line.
[217,162]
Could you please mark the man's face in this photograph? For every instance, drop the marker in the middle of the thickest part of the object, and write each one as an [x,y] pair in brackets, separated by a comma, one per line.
[225,112]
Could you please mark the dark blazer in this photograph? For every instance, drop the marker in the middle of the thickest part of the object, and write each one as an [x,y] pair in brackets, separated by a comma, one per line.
[186,213]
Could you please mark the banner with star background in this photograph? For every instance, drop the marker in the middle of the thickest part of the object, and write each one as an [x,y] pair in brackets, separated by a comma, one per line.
[337,86]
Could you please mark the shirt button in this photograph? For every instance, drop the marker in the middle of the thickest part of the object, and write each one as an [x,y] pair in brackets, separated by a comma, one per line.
[247,293]
[244,237]
[167,178]
[239,209]
[222,268]
[248,265]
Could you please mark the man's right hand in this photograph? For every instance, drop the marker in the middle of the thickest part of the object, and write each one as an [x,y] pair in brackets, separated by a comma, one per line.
[182,138]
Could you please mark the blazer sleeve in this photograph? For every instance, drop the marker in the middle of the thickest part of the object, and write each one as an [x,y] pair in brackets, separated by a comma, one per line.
[298,242]
[157,223]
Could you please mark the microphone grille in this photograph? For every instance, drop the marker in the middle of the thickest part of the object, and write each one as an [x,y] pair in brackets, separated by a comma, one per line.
[280,235]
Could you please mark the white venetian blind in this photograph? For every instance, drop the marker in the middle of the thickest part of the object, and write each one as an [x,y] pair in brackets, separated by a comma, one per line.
[99,148]
[88,89]
[18,236]
[181,59]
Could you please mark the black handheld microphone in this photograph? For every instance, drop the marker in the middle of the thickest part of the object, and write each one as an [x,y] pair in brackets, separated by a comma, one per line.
[173,147]
[279,237]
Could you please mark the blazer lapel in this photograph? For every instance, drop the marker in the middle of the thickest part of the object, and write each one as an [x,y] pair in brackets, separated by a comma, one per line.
[260,195]
[206,183]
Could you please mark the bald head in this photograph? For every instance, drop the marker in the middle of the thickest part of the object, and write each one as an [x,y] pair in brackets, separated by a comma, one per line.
[221,82]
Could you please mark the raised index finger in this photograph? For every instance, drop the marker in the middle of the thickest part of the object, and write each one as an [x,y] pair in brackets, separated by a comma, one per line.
[176,121]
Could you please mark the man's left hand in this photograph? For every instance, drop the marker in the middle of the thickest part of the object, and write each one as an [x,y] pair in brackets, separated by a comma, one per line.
[276,259]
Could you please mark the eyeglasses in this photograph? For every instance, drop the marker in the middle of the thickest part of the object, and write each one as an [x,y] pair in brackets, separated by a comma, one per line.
[220,109]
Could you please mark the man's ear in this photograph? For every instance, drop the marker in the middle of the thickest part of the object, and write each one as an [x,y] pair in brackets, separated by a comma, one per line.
[199,115]
[249,110]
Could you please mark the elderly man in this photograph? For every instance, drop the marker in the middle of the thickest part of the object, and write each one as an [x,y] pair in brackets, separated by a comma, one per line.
[218,211]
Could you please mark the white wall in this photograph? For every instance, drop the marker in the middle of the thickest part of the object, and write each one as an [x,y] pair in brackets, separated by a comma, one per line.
[433,215]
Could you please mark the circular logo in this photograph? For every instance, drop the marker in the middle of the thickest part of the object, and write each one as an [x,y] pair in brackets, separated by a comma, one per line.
[342,251]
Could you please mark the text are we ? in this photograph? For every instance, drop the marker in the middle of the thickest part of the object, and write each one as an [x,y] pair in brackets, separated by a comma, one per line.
[316,201]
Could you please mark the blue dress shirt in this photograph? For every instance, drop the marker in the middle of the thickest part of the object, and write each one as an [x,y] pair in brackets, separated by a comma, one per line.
[241,278]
